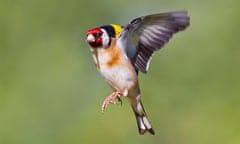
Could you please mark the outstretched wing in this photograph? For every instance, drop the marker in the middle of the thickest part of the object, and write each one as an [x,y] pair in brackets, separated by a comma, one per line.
[147,34]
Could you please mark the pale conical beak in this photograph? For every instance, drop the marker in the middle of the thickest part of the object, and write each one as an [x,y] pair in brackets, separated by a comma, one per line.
[90,38]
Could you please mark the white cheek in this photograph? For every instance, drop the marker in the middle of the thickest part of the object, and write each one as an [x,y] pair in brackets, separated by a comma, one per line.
[105,39]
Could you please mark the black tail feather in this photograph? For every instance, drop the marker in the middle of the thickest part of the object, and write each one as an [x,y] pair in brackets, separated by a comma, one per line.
[143,123]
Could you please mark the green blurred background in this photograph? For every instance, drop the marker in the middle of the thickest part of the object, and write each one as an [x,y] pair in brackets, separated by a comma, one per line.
[50,92]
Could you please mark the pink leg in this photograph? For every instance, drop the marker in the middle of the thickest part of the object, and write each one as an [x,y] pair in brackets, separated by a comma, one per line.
[111,100]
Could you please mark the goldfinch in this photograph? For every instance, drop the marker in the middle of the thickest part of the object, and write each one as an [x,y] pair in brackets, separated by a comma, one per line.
[119,53]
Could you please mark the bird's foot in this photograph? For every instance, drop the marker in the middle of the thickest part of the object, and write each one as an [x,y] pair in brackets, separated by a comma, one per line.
[111,99]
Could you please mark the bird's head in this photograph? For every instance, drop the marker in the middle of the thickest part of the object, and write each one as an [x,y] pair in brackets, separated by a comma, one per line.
[101,37]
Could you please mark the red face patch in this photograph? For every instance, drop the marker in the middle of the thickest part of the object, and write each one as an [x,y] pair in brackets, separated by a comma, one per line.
[97,34]
[94,31]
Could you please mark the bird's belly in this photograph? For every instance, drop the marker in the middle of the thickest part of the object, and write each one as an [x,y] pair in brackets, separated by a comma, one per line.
[119,77]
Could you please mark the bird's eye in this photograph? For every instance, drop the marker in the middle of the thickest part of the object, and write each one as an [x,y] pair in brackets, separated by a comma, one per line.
[97,35]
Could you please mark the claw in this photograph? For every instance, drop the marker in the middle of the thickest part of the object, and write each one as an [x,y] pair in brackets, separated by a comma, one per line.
[111,100]
[119,100]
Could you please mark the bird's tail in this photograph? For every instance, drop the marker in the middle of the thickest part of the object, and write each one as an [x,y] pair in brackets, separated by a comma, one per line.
[143,123]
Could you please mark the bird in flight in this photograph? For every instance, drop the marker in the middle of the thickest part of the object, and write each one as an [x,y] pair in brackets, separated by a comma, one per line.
[120,52]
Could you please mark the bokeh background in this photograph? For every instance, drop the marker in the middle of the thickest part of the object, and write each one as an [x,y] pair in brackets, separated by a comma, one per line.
[50,92]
